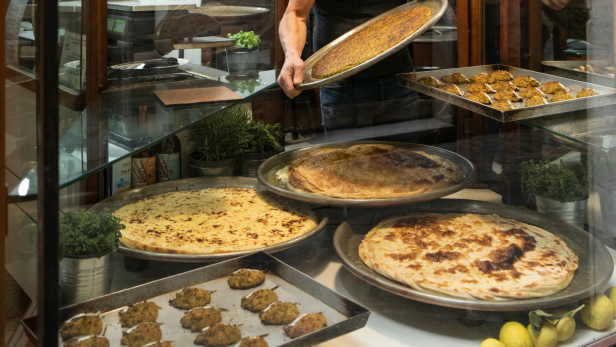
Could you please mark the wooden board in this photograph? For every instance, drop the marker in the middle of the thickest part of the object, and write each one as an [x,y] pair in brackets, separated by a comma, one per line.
[189,96]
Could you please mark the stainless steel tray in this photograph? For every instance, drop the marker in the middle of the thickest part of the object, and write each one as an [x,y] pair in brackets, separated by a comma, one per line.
[607,97]
[438,9]
[594,271]
[343,315]
[117,201]
[266,174]
[565,68]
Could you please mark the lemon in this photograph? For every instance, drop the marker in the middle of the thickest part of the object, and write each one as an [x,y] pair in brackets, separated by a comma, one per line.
[547,337]
[513,334]
[491,343]
[565,327]
[612,296]
[598,312]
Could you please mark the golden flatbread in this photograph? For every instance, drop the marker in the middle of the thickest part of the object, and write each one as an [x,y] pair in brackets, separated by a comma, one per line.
[213,221]
[469,256]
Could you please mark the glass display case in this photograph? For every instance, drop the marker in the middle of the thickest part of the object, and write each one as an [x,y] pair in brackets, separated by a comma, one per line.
[290,173]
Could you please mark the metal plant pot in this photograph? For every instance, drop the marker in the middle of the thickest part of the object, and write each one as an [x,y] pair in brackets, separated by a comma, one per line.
[82,279]
[242,60]
[201,168]
[573,212]
[607,199]
[251,162]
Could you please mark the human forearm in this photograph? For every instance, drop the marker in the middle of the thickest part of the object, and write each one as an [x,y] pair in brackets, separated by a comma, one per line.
[293,33]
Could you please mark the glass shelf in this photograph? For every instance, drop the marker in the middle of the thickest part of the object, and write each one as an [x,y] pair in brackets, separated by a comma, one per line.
[106,125]
[583,131]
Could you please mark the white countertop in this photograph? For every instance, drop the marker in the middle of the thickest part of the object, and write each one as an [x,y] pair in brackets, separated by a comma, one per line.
[394,321]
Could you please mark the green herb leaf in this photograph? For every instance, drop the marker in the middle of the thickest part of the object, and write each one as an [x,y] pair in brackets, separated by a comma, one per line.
[87,233]
[554,181]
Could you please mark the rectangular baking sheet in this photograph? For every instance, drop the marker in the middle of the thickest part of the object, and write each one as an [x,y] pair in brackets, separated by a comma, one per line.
[565,68]
[343,315]
[607,95]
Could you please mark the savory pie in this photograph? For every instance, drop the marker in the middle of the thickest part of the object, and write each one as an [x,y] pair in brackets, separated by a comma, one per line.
[470,256]
[370,171]
[215,220]
[371,41]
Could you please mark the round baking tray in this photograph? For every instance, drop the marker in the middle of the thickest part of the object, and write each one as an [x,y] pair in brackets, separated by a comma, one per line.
[266,174]
[438,9]
[594,269]
[117,201]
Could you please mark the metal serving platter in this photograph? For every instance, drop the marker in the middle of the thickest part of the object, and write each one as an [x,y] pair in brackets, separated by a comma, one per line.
[438,9]
[266,174]
[565,68]
[119,200]
[607,97]
[343,315]
[594,271]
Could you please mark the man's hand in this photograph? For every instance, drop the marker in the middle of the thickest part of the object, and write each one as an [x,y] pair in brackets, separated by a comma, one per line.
[291,75]
[556,4]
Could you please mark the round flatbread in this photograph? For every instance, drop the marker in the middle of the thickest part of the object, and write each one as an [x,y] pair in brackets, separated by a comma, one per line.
[469,256]
[213,221]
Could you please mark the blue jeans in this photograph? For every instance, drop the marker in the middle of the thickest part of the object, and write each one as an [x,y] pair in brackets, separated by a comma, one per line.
[348,104]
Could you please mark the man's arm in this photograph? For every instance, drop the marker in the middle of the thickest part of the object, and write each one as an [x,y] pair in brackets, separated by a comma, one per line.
[556,4]
[293,38]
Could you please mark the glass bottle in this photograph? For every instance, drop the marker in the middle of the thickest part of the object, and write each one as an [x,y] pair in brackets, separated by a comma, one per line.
[143,168]
[168,158]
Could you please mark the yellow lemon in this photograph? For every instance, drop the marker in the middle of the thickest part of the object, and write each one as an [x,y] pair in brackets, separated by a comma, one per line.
[491,343]
[612,296]
[547,337]
[565,327]
[513,334]
[598,312]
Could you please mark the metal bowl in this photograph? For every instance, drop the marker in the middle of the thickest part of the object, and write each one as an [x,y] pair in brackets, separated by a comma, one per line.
[266,174]
[117,201]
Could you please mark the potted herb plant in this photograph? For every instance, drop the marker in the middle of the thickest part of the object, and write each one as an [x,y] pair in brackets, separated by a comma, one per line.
[263,142]
[243,57]
[219,141]
[88,241]
[560,191]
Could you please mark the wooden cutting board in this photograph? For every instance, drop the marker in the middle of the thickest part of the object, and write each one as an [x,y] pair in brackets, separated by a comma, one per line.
[192,96]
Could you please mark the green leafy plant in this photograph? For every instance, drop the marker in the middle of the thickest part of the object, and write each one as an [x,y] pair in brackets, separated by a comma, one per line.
[245,39]
[246,85]
[263,137]
[222,136]
[87,233]
[555,181]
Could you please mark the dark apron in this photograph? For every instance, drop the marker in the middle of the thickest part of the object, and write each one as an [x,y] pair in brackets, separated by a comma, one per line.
[333,18]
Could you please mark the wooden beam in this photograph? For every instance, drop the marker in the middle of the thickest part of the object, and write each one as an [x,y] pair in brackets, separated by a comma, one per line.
[476,32]
[510,44]
[534,34]
[4,188]
[462,10]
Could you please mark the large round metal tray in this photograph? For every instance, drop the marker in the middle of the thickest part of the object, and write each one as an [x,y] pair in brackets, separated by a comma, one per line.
[266,174]
[594,271]
[438,9]
[117,201]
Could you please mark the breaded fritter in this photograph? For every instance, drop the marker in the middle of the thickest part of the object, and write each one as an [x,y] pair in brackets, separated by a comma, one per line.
[501,75]
[562,96]
[503,105]
[553,88]
[219,335]
[508,95]
[246,278]
[254,341]
[200,317]
[480,88]
[585,68]
[482,98]
[141,334]
[530,92]
[504,85]
[279,313]
[81,325]
[191,297]
[306,324]
[430,81]
[453,89]
[456,78]
[159,344]
[87,341]
[482,78]
[536,101]
[525,82]
[586,92]
[258,301]
[139,313]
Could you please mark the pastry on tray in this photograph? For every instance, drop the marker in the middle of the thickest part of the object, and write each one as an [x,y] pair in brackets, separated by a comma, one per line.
[562,96]
[508,95]
[87,341]
[219,335]
[141,334]
[536,101]
[503,105]
[253,341]
[501,75]
[452,88]
[530,92]
[81,325]
[200,317]
[305,324]
[279,313]
[456,78]
[525,82]
[258,300]
[246,278]
[504,85]
[482,78]
[480,88]
[586,92]
[139,313]
[482,98]
[431,81]
[190,298]
[553,88]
